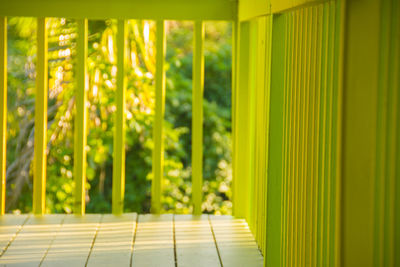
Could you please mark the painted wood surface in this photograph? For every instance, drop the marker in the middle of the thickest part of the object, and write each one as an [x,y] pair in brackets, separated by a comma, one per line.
[122,9]
[80,127]
[32,242]
[158,136]
[154,236]
[72,243]
[40,134]
[3,112]
[127,240]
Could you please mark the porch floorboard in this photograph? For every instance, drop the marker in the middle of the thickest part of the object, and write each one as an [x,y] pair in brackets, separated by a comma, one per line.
[127,240]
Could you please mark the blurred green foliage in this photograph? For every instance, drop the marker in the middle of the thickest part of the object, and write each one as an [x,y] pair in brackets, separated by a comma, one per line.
[139,109]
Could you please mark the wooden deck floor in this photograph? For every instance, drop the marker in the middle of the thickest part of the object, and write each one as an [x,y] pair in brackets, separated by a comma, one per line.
[128,240]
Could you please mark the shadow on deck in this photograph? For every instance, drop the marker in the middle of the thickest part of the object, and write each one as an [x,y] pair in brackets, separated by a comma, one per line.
[127,240]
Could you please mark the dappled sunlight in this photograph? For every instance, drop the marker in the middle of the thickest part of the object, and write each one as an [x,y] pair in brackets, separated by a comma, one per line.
[154,236]
[144,240]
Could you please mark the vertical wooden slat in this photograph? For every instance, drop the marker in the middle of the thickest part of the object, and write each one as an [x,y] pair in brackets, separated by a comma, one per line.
[158,151]
[3,111]
[275,164]
[302,132]
[293,127]
[306,140]
[318,144]
[266,118]
[39,171]
[313,142]
[119,135]
[296,134]
[340,41]
[234,89]
[322,152]
[80,118]
[197,117]
[327,125]
[331,137]
[252,86]
[241,188]
[286,143]
[361,81]
[259,125]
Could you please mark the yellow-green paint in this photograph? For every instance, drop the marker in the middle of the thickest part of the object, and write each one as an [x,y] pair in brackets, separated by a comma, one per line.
[233,101]
[3,112]
[123,9]
[279,6]
[250,9]
[317,225]
[118,189]
[197,117]
[371,154]
[261,107]
[258,123]
[241,180]
[40,143]
[387,132]
[300,181]
[80,137]
[252,122]
[253,8]
[305,138]
[274,174]
[158,136]
[315,117]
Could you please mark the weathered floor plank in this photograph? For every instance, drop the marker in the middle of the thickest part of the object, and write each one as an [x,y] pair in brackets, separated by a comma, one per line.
[31,244]
[154,242]
[73,242]
[195,244]
[114,241]
[10,225]
[236,244]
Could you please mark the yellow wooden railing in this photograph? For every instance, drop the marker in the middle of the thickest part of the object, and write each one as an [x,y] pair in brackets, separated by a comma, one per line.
[316,130]
[3,111]
[316,111]
[121,10]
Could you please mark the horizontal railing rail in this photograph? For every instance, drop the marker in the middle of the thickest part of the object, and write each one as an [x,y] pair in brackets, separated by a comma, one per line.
[123,9]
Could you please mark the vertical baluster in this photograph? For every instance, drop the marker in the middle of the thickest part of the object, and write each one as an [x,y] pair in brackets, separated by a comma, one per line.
[80,118]
[3,111]
[197,117]
[39,171]
[158,151]
[119,135]
[233,101]
[241,184]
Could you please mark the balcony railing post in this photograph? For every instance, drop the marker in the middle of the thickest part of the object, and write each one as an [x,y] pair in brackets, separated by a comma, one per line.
[197,117]
[81,119]
[3,111]
[119,136]
[39,171]
[158,151]
[241,185]
[234,105]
